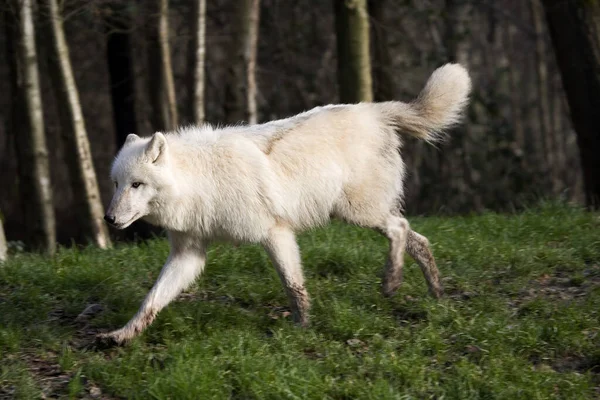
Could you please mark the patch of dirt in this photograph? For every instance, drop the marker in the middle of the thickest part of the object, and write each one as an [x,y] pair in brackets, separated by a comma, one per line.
[560,286]
[570,363]
[48,375]
[84,335]
[452,291]
[51,379]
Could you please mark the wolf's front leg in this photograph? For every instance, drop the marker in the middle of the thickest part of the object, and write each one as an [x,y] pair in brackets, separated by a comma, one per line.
[283,250]
[186,261]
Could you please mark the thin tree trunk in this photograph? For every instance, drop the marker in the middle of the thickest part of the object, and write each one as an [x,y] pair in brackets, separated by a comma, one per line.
[574,29]
[120,69]
[241,89]
[167,69]
[250,54]
[79,155]
[162,87]
[197,55]
[545,114]
[354,65]
[3,245]
[14,101]
[34,170]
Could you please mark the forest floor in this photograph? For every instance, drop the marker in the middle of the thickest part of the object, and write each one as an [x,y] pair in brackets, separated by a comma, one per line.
[520,318]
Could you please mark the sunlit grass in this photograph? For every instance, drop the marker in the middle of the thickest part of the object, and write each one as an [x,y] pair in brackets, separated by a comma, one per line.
[519,321]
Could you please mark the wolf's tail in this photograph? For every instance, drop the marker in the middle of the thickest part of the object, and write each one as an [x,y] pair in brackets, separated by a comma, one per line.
[439,106]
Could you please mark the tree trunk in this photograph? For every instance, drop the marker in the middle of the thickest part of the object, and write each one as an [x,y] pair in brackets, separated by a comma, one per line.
[197,59]
[120,70]
[79,156]
[34,171]
[354,65]
[383,79]
[250,54]
[162,87]
[574,26]
[3,245]
[241,89]
[546,134]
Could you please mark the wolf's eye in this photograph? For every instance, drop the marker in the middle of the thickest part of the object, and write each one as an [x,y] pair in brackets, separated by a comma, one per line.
[116,185]
[136,185]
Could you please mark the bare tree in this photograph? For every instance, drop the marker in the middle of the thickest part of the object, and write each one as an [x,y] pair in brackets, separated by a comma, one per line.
[250,55]
[197,59]
[574,27]
[79,156]
[162,87]
[354,66]
[3,246]
[34,170]
[241,88]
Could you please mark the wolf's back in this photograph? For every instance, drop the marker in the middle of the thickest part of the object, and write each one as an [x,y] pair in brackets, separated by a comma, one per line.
[439,106]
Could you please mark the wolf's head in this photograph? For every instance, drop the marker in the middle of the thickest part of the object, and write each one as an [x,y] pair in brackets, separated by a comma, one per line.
[141,176]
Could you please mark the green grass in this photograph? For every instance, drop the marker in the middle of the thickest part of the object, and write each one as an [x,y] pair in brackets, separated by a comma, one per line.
[519,321]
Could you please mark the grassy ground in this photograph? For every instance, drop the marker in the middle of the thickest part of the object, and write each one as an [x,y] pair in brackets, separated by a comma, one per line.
[519,321]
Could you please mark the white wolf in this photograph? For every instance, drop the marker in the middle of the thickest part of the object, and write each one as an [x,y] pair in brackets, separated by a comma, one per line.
[263,183]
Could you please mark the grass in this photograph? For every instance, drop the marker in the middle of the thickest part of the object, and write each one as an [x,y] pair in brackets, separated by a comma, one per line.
[519,321]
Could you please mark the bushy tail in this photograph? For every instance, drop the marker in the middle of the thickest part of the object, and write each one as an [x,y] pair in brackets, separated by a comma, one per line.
[439,106]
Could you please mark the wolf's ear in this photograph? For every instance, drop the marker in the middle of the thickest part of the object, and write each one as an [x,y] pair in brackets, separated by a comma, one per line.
[132,137]
[156,151]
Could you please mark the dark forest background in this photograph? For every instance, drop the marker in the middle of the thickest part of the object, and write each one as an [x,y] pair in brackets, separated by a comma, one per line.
[516,146]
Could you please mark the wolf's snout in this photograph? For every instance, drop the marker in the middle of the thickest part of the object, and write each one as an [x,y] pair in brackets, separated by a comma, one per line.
[110,219]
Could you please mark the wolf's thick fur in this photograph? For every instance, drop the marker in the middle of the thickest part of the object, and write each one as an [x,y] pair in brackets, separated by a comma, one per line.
[265,182]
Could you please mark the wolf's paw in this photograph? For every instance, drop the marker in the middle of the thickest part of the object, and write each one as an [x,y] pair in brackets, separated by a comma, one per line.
[301,321]
[437,292]
[389,289]
[111,339]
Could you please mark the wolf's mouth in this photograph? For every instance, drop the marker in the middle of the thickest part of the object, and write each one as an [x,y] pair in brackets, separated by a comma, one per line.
[126,224]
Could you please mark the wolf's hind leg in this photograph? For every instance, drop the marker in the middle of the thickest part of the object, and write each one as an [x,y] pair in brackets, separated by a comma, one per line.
[185,262]
[396,230]
[418,247]
[284,253]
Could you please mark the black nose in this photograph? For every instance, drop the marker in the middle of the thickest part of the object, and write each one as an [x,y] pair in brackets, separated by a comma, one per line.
[109,218]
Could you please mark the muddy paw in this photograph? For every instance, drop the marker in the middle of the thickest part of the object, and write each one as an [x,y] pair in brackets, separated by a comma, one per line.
[389,289]
[436,292]
[110,339]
